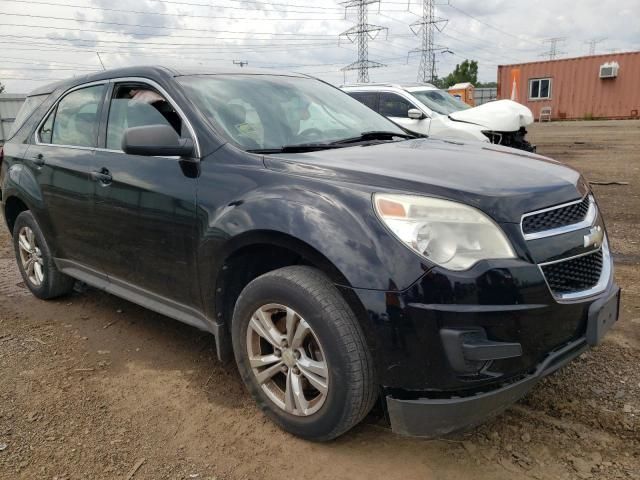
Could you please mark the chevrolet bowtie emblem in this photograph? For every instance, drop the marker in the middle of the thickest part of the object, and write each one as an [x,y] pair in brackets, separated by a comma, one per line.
[594,238]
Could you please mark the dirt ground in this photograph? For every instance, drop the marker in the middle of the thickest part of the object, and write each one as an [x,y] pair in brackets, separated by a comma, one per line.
[92,386]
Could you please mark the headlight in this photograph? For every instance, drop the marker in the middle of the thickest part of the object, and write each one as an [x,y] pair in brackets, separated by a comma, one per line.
[494,137]
[450,234]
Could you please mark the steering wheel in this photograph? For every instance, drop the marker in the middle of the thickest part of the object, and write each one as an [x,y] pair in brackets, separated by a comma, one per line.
[310,133]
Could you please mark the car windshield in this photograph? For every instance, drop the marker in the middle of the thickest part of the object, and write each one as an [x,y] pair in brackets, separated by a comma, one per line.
[269,112]
[439,101]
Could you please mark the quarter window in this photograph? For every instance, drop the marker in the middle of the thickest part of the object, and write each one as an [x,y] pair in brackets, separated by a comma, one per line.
[392,105]
[138,105]
[29,106]
[74,121]
[539,88]
[367,98]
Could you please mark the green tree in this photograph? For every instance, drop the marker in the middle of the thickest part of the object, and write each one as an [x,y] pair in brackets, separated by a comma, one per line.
[466,71]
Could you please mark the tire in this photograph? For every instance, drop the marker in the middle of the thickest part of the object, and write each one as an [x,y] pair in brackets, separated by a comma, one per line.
[333,338]
[51,283]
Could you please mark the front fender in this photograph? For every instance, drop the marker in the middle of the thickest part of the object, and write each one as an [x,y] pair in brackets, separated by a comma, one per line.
[335,219]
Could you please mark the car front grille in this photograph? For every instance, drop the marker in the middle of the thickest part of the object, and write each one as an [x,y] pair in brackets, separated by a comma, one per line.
[574,275]
[558,217]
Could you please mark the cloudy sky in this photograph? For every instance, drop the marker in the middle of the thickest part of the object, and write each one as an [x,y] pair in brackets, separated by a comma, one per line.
[46,40]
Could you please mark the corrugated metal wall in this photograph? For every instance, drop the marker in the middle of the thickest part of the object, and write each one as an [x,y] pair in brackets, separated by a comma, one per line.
[484,95]
[10,104]
[577,91]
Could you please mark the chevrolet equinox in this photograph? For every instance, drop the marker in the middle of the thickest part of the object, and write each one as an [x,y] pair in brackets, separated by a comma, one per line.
[342,261]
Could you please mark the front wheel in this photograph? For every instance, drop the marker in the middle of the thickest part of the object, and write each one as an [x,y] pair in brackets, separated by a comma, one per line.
[302,354]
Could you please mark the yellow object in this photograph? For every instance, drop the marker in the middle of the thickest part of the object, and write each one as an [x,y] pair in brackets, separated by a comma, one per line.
[463,92]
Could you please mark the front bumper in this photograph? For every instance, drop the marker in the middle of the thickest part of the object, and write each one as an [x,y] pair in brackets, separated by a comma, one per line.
[437,417]
[434,417]
[458,347]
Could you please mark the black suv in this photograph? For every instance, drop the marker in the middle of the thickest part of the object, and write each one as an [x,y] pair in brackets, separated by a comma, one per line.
[342,261]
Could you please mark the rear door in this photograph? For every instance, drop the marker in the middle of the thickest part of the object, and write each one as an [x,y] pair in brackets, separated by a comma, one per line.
[147,205]
[62,158]
[396,108]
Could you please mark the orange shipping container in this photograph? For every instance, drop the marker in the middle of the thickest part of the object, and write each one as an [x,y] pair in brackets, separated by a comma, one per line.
[573,87]
[463,92]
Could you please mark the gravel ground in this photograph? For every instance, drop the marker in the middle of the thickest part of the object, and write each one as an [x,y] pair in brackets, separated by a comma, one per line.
[92,386]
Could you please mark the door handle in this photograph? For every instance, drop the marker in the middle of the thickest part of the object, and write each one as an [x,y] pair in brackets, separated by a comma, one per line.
[103,176]
[38,159]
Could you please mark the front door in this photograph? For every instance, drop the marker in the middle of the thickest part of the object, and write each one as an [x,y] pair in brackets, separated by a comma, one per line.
[62,158]
[147,205]
[396,109]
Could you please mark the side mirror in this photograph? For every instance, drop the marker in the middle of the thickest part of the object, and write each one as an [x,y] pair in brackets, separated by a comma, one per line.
[156,141]
[415,114]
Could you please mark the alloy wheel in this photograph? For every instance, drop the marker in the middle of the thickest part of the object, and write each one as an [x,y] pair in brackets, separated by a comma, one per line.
[287,360]
[31,256]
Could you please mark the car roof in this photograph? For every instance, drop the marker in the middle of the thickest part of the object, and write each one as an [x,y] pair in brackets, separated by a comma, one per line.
[155,71]
[407,87]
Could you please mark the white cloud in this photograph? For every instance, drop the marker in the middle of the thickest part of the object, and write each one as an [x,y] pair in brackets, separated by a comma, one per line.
[290,35]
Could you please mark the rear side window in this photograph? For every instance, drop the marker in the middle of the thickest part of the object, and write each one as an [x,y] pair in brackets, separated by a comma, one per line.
[139,105]
[74,122]
[29,106]
[392,105]
[370,99]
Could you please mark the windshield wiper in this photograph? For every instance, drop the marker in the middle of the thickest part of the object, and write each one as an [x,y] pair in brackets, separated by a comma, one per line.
[374,135]
[299,148]
[313,147]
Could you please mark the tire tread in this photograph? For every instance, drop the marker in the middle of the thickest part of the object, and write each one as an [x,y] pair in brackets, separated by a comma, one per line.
[363,392]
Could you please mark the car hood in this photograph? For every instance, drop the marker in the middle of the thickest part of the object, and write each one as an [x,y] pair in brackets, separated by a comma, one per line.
[503,182]
[498,116]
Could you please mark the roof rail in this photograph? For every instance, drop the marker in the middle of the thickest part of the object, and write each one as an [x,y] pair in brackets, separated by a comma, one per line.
[388,84]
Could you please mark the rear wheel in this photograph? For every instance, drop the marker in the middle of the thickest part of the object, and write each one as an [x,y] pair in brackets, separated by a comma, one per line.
[35,261]
[302,353]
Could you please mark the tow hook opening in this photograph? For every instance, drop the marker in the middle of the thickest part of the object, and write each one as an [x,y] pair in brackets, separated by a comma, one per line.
[469,350]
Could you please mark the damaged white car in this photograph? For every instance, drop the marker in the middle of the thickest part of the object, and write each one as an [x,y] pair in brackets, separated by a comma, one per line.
[425,109]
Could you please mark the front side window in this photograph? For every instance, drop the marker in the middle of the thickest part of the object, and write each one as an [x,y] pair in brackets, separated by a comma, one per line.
[74,122]
[270,111]
[138,105]
[539,88]
[392,105]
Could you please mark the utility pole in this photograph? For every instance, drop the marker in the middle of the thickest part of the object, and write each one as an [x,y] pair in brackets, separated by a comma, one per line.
[362,33]
[593,43]
[242,63]
[427,26]
[553,47]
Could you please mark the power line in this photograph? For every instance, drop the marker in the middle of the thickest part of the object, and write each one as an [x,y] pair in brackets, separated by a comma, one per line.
[163,54]
[173,45]
[492,26]
[361,33]
[55,69]
[34,61]
[553,52]
[179,15]
[101,22]
[146,35]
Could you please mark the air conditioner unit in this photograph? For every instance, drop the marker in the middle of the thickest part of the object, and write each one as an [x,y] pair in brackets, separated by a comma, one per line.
[609,70]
